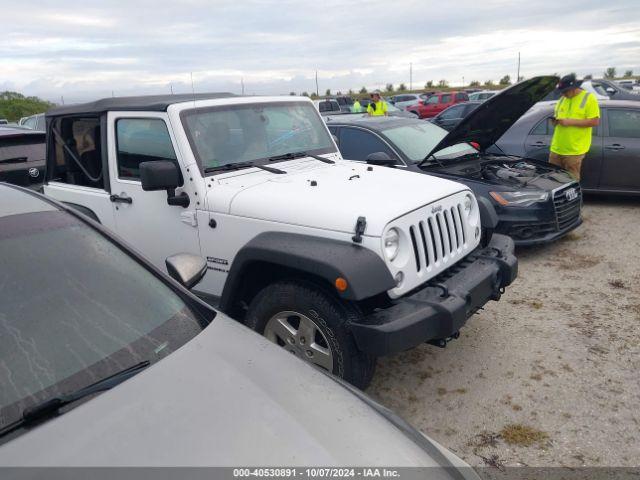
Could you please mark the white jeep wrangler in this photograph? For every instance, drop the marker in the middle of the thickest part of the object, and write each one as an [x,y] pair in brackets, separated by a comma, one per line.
[336,262]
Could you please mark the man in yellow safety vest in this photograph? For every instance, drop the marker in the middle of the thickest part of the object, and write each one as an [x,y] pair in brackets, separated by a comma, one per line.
[575,115]
[377,107]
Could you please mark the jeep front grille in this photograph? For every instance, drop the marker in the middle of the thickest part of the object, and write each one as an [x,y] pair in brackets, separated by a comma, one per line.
[567,208]
[438,238]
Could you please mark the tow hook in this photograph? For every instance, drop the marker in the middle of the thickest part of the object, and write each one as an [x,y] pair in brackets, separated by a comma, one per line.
[442,342]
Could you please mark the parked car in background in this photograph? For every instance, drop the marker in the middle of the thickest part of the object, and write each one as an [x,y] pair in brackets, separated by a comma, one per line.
[4,121]
[34,122]
[22,156]
[436,103]
[536,202]
[482,95]
[327,105]
[602,89]
[629,84]
[450,117]
[160,377]
[257,186]
[345,102]
[613,163]
[403,100]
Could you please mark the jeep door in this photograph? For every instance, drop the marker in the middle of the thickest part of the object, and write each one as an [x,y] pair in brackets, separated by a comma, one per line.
[144,219]
[77,172]
[621,162]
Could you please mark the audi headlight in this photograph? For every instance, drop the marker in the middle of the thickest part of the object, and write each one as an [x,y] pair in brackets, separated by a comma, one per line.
[519,199]
[391,244]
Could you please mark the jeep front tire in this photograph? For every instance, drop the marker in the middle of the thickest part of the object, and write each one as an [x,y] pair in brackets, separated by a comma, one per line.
[313,325]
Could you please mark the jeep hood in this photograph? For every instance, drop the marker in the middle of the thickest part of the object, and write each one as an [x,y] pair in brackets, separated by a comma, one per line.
[487,123]
[328,197]
[226,398]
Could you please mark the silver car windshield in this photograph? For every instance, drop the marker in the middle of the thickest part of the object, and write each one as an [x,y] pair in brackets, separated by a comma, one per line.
[416,140]
[254,132]
[74,309]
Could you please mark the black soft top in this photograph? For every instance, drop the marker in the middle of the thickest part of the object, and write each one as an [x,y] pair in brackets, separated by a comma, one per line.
[154,103]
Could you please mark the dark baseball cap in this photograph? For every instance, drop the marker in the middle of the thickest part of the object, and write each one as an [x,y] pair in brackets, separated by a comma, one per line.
[568,82]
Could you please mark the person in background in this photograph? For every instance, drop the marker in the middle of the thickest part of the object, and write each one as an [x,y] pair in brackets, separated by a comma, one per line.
[356,107]
[377,107]
[575,115]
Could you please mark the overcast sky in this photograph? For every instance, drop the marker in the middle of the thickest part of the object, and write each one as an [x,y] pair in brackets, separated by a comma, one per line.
[83,50]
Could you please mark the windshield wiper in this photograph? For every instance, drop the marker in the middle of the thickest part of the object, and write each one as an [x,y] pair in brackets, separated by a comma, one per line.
[291,156]
[428,159]
[236,166]
[52,405]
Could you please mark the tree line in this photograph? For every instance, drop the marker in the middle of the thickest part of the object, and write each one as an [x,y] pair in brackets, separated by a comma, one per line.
[14,106]
[505,81]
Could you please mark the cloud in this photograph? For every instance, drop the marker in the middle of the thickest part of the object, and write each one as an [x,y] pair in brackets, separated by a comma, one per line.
[84,50]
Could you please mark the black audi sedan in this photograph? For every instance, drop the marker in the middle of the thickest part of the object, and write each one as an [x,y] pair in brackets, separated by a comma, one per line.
[536,202]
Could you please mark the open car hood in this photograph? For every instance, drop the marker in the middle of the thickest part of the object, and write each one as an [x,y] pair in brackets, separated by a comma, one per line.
[487,123]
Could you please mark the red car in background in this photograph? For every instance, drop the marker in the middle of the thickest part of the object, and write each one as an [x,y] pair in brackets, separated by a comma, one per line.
[436,103]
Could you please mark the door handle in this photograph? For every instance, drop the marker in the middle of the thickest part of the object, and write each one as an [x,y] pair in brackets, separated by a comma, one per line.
[538,144]
[615,146]
[120,198]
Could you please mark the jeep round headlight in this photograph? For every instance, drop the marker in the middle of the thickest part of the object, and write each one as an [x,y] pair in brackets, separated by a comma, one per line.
[391,244]
[468,205]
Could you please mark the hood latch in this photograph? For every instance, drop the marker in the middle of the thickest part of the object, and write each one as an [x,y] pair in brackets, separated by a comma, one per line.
[361,225]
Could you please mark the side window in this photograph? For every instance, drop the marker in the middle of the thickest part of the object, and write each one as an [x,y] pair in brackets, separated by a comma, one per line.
[446,98]
[432,99]
[543,127]
[461,96]
[452,112]
[141,140]
[76,153]
[357,144]
[624,123]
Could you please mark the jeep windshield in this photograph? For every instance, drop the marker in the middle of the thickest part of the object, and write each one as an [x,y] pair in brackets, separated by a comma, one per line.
[417,140]
[74,310]
[254,133]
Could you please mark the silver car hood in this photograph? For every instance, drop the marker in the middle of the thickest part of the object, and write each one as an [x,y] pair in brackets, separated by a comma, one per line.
[226,398]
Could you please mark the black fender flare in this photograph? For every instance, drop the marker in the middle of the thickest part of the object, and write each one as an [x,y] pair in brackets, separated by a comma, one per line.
[84,210]
[365,272]
[488,219]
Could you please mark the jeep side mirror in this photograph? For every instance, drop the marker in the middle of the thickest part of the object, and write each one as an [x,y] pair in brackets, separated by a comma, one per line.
[186,268]
[380,158]
[163,175]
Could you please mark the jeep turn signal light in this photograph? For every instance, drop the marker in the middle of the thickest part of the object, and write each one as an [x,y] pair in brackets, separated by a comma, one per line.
[498,198]
[341,284]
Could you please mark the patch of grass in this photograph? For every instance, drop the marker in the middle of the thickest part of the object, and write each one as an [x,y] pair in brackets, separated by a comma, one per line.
[522,435]
[516,407]
[442,391]
[571,237]
[424,375]
[536,376]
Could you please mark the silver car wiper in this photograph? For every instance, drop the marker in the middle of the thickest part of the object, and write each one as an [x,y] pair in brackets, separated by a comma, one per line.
[52,405]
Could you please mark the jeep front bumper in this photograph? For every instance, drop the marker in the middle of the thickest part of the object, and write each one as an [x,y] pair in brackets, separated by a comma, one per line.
[443,305]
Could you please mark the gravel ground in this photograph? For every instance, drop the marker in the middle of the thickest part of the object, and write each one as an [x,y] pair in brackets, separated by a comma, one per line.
[548,376]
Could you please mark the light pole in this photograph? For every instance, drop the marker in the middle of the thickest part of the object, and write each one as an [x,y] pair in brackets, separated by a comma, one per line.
[410,76]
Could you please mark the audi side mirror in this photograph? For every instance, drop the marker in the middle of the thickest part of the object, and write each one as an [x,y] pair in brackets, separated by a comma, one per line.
[186,268]
[380,158]
[163,175]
